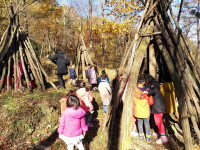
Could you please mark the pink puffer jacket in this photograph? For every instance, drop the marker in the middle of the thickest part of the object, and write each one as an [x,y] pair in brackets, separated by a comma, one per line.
[72,122]
[86,99]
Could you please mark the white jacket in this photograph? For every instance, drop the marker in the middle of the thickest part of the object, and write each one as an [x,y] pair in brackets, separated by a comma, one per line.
[105,92]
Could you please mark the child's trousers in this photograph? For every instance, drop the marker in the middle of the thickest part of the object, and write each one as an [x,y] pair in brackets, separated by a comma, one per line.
[79,145]
[140,122]
[159,123]
[73,141]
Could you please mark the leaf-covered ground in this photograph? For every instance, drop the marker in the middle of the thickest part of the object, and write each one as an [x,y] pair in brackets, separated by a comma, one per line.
[30,120]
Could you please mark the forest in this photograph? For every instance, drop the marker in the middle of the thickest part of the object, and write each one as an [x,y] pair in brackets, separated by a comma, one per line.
[120,42]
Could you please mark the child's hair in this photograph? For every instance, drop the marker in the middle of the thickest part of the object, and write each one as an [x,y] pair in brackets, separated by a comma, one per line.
[103,72]
[71,92]
[87,89]
[83,84]
[73,101]
[103,76]
[150,79]
[141,79]
[95,63]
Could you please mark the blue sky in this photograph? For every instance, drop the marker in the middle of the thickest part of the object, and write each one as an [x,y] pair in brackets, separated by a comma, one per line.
[81,6]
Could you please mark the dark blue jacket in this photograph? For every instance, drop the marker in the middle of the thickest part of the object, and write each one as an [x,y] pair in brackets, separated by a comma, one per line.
[59,60]
[72,73]
[154,90]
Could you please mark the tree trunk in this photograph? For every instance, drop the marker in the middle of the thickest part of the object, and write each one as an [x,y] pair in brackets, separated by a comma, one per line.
[90,22]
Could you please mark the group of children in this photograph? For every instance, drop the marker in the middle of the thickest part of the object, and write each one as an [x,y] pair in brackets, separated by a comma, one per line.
[148,100]
[146,89]
[77,109]
[91,72]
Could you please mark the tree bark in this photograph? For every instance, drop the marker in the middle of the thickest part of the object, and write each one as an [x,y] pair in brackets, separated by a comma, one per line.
[127,114]
[83,65]
[179,93]
[198,36]
[152,61]
[23,66]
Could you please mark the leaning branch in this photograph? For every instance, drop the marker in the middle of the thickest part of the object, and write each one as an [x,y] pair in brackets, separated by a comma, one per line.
[150,34]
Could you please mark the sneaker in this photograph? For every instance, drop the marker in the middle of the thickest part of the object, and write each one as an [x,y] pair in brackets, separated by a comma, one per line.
[141,136]
[162,140]
[95,88]
[148,138]
[90,125]
[134,134]
[159,141]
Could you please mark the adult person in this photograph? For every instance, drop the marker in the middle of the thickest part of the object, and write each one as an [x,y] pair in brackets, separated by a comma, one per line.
[61,60]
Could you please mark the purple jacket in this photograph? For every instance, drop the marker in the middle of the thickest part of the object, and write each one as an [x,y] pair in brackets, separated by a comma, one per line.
[92,76]
[72,122]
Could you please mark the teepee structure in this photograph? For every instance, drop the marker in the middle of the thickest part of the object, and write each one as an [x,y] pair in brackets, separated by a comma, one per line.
[159,28]
[20,65]
[83,59]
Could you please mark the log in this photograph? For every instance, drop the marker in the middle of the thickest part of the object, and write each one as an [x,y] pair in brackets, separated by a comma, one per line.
[179,92]
[127,115]
[23,66]
[8,41]
[78,57]
[8,75]
[153,66]
[150,34]
[83,65]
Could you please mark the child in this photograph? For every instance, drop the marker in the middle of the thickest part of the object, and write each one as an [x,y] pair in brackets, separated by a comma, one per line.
[103,72]
[92,77]
[86,99]
[141,109]
[73,75]
[72,124]
[64,100]
[158,108]
[105,93]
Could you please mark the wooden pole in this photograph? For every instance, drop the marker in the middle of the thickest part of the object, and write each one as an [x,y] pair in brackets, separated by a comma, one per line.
[83,65]
[23,66]
[180,94]
[127,114]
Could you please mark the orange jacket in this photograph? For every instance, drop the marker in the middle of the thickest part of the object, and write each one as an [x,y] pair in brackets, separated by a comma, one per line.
[141,107]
